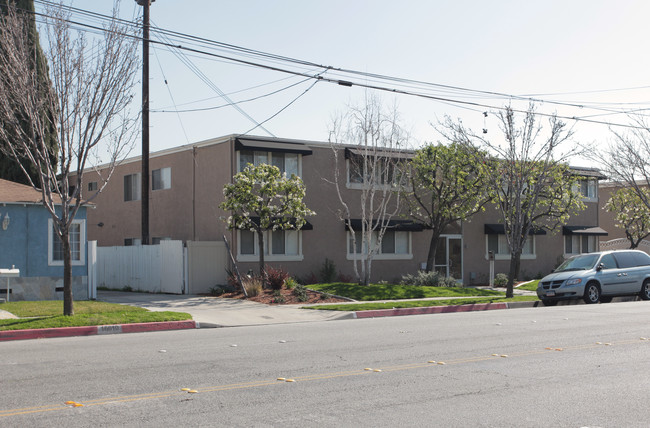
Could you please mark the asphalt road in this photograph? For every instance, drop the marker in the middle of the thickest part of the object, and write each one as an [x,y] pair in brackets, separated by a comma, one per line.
[571,366]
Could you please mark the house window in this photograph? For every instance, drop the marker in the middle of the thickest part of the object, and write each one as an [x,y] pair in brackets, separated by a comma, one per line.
[498,244]
[129,242]
[587,188]
[161,179]
[132,187]
[92,186]
[278,245]
[77,237]
[578,244]
[367,171]
[394,245]
[287,163]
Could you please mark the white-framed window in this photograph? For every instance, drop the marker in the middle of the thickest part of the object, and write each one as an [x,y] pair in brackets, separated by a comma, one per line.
[395,245]
[279,245]
[161,179]
[129,242]
[381,173]
[288,163]
[498,243]
[77,235]
[92,186]
[132,187]
[587,188]
[578,244]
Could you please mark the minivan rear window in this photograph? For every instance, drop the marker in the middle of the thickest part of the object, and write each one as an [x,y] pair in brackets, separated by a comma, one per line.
[642,259]
[626,260]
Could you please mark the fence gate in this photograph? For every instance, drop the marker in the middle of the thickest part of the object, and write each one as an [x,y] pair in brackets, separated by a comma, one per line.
[207,263]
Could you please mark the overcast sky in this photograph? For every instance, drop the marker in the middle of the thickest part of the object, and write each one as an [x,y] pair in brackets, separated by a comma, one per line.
[591,53]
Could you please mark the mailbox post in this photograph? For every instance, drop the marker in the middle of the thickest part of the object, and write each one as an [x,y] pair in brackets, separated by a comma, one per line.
[491,258]
[9,273]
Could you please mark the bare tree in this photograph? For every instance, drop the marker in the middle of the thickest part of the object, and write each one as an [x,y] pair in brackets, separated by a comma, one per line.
[88,105]
[369,141]
[528,177]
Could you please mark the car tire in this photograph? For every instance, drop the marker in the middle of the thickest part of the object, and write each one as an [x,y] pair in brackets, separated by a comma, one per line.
[592,293]
[606,299]
[645,290]
[547,302]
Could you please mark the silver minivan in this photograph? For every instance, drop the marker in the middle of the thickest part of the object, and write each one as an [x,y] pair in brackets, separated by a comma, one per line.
[598,277]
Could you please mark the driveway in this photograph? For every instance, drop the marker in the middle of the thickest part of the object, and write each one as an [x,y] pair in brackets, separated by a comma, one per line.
[221,312]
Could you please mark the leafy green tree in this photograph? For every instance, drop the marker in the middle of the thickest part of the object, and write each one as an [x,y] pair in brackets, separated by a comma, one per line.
[631,213]
[260,198]
[447,186]
[530,182]
[10,168]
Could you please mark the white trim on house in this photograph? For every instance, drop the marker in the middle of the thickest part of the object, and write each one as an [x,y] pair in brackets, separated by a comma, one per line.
[82,244]
[267,244]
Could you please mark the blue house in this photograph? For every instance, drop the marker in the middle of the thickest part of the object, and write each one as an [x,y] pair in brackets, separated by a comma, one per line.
[28,243]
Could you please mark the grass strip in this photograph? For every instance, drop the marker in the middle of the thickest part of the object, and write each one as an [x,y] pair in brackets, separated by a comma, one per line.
[47,314]
[531,286]
[372,292]
[418,303]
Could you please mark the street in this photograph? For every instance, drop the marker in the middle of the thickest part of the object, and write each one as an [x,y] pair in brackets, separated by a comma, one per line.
[568,366]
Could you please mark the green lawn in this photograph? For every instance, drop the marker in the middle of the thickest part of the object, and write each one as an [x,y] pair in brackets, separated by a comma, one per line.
[418,303]
[47,314]
[391,291]
[531,286]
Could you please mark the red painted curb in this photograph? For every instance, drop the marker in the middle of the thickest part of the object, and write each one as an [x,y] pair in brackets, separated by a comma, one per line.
[430,310]
[46,333]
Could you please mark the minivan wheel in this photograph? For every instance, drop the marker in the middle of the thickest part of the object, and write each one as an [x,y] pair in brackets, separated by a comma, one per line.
[592,293]
[645,290]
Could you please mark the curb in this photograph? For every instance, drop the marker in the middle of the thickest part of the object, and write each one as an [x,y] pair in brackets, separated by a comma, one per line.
[45,333]
[377,313]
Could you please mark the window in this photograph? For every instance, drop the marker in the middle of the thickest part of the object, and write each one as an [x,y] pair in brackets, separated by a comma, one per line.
[278,245]
[132,187]
[578,244]
[394,245]
[156,240]
[498,244]
[92,186]
[77,236]
[161,179]
[287,163]
[128,242]
[384,172]
[587,188]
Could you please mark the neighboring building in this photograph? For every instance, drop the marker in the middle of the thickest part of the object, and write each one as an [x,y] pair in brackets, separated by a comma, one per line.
[616,240]
[187,188]
[28,242]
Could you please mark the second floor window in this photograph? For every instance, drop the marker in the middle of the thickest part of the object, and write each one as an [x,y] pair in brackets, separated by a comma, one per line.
[161,179]
[588,189]
[132,187]
[92,186]
[286,162]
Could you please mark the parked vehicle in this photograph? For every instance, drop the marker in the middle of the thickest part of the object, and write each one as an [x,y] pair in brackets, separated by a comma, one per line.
[598,277]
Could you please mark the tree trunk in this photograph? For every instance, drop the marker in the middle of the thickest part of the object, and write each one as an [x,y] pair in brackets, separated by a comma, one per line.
[433,248]
[260,249]
[68,305]
[514,261]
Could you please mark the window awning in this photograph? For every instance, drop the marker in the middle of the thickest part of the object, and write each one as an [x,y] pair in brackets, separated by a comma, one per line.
[272,146]
[306,226]
[583,230]
[499,229]
[396,225]
[392,154]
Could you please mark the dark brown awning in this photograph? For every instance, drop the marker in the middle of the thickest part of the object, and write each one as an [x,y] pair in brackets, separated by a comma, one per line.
[397,225]
[584,230]
[306,226]
[499,229]
[272,146]
[392,154]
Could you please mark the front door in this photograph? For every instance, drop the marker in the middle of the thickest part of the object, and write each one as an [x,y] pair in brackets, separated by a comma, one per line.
[449,256]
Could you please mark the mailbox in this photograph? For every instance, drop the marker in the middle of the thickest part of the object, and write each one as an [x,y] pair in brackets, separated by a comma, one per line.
[9,273]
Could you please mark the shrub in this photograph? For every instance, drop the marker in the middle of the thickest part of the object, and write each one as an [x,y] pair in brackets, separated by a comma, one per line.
[276,277]
[428,279]
[325,296]
[127,288]
[290,283]
[328,271]
[217,290]
[301,293]
[344,278]
[253,286]
[278,297]
[501,280]
[308,279]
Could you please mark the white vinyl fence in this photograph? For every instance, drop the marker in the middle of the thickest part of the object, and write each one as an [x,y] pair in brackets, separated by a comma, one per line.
[164,268]
[623,244]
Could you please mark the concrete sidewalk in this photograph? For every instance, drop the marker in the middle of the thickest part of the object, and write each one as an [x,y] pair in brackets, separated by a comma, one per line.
[211,311]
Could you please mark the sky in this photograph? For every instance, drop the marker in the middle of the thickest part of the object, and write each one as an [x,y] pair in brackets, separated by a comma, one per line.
[564,54]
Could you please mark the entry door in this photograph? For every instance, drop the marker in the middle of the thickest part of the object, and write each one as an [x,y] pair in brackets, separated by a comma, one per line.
[449,256]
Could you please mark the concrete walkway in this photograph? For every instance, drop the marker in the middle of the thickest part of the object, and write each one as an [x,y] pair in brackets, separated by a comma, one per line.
[218,312]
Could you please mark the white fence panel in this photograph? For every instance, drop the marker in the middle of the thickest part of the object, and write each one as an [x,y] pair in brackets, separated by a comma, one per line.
[623,244]
[207,262]
[148,268]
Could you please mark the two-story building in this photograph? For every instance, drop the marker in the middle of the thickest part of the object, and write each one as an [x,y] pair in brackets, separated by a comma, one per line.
[187,188]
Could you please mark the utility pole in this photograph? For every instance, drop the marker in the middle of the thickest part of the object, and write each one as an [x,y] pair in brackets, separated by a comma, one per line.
[145,120]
